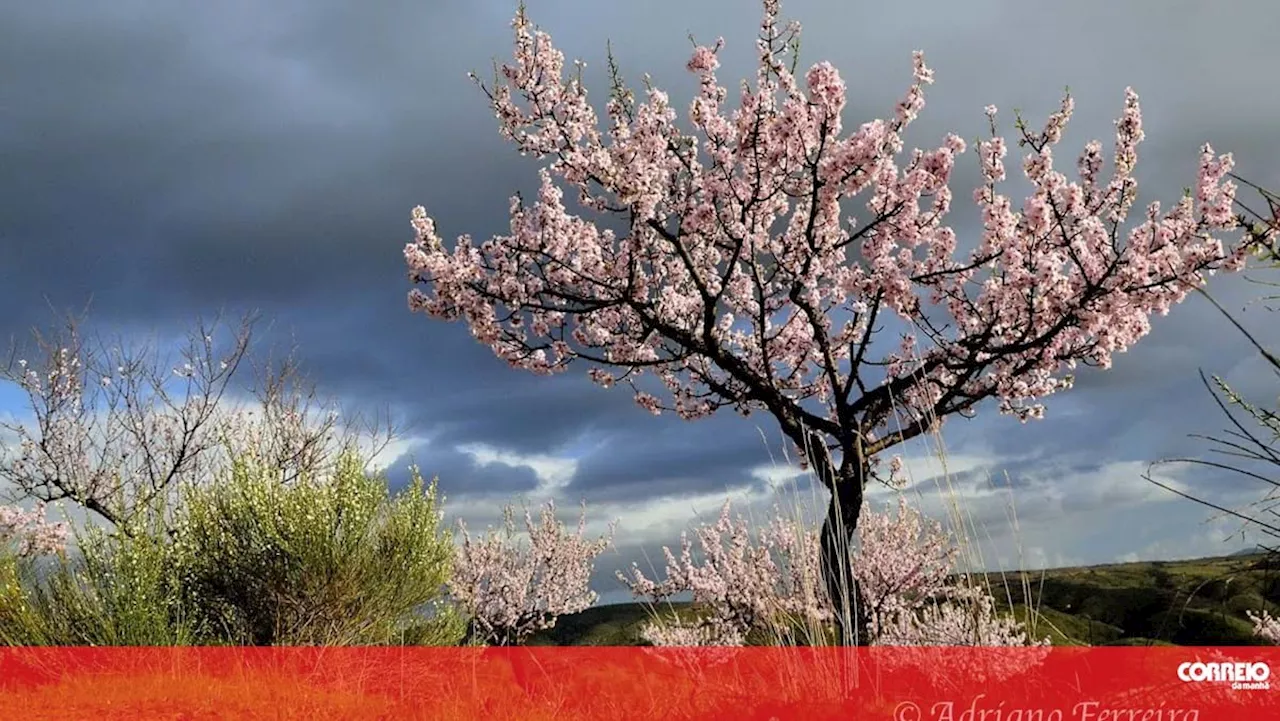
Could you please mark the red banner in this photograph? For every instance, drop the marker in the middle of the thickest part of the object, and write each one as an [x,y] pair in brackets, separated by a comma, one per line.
[902,684]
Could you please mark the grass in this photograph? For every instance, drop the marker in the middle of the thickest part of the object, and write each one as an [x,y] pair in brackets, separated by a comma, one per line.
[1199,602]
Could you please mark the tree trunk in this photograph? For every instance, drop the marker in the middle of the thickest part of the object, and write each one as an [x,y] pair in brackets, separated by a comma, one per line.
[843,590]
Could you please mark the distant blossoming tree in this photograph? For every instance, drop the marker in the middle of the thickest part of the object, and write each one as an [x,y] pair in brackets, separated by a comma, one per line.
[511,589]
[772,584]
[746,584]
[743,280]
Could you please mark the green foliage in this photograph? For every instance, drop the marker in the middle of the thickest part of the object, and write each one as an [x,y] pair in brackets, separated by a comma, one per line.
[1139,641]
[439,625]
[1064,629]
[336,560]
[118,591]
[250,559]
[613,625]
[1204,627]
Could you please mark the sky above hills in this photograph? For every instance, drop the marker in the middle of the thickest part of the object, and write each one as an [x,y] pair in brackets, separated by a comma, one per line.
[168,160]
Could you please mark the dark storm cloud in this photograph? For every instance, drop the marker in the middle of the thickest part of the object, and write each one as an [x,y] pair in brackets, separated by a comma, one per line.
[670,457]
[526,419]
[443,382]
[212,156]
[173,159]
[459,475]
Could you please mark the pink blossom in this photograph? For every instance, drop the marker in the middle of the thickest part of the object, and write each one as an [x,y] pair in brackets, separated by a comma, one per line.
[771,582]
[1265,626]
[28,534]
[512,590]
[627,301]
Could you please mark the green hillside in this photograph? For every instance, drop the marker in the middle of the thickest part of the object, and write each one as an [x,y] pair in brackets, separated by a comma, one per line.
[1194,602]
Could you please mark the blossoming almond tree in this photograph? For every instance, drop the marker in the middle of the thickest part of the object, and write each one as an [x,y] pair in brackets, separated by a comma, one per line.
[742,279]
[772,583]
[510,590]
[746,585]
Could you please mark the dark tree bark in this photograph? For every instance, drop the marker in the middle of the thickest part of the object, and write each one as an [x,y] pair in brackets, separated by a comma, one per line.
[846,483]
[839,528]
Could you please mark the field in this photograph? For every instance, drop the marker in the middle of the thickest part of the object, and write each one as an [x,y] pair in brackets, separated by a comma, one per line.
[1198,602]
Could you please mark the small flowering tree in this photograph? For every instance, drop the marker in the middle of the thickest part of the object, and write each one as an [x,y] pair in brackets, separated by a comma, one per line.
[511,590]
[741,279]
[118,428]
[746,585]
[904,567]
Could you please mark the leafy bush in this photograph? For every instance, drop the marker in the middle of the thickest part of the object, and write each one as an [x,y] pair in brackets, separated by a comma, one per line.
[249,559]
[119,590]
[332,560]
[1202,627]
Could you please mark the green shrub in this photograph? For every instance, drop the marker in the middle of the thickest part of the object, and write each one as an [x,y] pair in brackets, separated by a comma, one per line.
[1203,627]
[1241,603]
[1138,641]
[439,625]
[332,561]
[1064,629]
[249,559]
[118,590]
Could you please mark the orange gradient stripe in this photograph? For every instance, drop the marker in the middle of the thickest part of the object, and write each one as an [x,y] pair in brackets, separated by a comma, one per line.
[903,684]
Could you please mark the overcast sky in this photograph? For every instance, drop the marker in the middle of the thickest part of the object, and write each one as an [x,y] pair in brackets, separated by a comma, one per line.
[171,159]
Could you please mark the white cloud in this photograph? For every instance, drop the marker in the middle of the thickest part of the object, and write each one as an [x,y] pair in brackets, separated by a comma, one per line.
[1216,537]
[553,473]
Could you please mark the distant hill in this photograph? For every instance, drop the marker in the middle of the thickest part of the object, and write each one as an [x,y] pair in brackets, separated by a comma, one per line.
[1188,603]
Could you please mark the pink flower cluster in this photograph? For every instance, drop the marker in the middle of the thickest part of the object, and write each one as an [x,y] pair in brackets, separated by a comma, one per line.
[747,586]
[771,583]
[510,590]
[29,534]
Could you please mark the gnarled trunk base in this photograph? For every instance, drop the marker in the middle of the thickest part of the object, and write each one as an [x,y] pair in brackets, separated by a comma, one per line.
[845,593]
